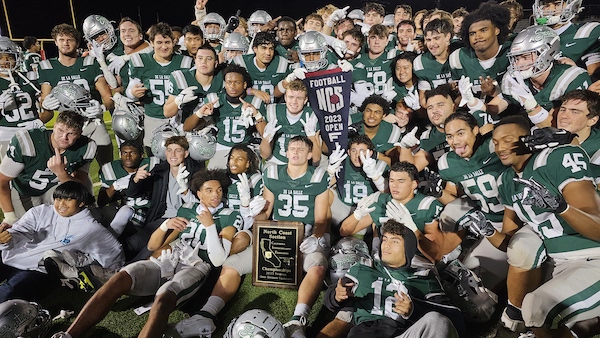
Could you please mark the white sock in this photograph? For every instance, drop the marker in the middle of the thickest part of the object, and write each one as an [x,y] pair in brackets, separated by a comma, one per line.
[213,305]
[302,310]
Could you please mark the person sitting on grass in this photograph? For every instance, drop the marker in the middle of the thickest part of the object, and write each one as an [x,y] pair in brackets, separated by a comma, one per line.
[197,240]
[66,225]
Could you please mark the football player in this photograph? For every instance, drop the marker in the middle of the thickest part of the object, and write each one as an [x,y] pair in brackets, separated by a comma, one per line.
[192,39]
[406,35]
[149,77]
[213,29]
[266,69]
[289,119]
[31,56]
[432,68]
[70,67]
[553,192]
[101,40]
[132,38]
[405,81]
[392,299]
[192,243]
[234,44]
[18,95]
[354,40]
[286,36]
[38,160]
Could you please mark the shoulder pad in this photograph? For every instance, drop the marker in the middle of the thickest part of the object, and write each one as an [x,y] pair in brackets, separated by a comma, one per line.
[395,134]
[271,112]
[186,62]
[90,152]
[225,212]
[108,171]
[425,203]
[282,66]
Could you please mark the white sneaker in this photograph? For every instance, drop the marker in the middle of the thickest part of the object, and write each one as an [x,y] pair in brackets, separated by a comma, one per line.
[295,328]
[513,325]
[196,325]
[77,258]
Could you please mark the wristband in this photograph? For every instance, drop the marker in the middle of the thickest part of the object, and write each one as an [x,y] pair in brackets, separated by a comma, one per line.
[281,88]
[477,106]
[163,226]
[10,217]
[248,91]
[539,117]
[258,116]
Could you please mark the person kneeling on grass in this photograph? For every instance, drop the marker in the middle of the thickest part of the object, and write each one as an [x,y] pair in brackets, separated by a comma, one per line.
[192,243]
[66,225]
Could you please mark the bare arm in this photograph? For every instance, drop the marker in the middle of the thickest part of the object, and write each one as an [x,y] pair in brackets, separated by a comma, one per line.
[270,198]
[45,115]
[160,237]
[351,225]
[5,201]
[321,209]
[583,214]
[170,108]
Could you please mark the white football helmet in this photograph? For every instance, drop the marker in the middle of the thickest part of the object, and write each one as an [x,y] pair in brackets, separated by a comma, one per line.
[311,42]
[235,42]
[257,18]
[540,40]
[388,20]
[356,14]
[466,291]
[71,97]
[9,47]
[20,318]
[202,145]
[126,125]
[347,252]
[565,11]
[95,25]
[210,33]
[255,323]
[160,137]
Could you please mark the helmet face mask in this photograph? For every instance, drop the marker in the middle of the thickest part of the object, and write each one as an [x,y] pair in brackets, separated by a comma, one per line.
[235,42]
[560,12]
[533,51]
[257,19]
[10,53]
[213,33]
[72,97]
[97,26]
[309,43]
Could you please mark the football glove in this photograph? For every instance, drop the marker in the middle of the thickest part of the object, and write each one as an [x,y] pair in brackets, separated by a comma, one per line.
[436,184]
[539,196]
[478,224]
[548,137]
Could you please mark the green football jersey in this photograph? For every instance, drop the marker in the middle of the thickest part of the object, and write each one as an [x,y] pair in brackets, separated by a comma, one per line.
[84,72]
[476,176]
[155,77]
[580,42]
[31,62]
[562,79]
[231,129]
[374,288]
[553,168]
[356,183]
[423,210]
[434,142]
[592,147]
[26,99]
[288,130]
[386,136]
[233,198]
[430,73]
[264,79]
[376,72]
[464,61]
[32,148]
[182,79]
[195,232]
[295,198]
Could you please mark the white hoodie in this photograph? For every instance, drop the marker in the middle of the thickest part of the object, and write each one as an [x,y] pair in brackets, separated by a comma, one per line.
[42,229]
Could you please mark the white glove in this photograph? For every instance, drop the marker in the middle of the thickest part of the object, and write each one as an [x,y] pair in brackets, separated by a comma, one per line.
[364,206]
[345,65]
[409,140]
[364,28]
[339,47]
[336,16]
[35,124]
[243,187]
[122,183]
[94,110]
[397,211]
[257,204]
[270,130]
[121,101]
[50,102]
[369,165]
[466,92]
[97,51]
[520,91]
[311,244]
[186,95]
[356,98]
[336,158]
[182,179]
[410,47]
[246,117]
[389,94]
[167,262]
[189,255]
[7,101]
[298,73]
[412,100]
[310,126]
[117,63]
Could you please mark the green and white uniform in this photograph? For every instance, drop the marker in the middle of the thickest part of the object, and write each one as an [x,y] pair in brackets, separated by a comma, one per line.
[290,127]
[423,210]
[233,197]
[591,145]
[26,111]
[84,72]
[386,136]
[430,73]
[477,178]
[182,79]
[264,79]
[376,72]
[580,42]
[31,63]
[434,142]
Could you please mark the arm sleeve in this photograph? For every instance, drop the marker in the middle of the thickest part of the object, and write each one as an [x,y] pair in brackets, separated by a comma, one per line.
[218,248]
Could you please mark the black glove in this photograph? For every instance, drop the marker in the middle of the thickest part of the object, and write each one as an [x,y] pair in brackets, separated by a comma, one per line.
[233,22]
[436,184]
[543,138]
[478,224]
[539,196]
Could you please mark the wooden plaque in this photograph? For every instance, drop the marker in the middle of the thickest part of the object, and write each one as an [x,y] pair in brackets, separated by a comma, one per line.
[276,257]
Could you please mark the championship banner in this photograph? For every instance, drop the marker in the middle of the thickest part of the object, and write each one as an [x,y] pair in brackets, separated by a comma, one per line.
[329,97]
